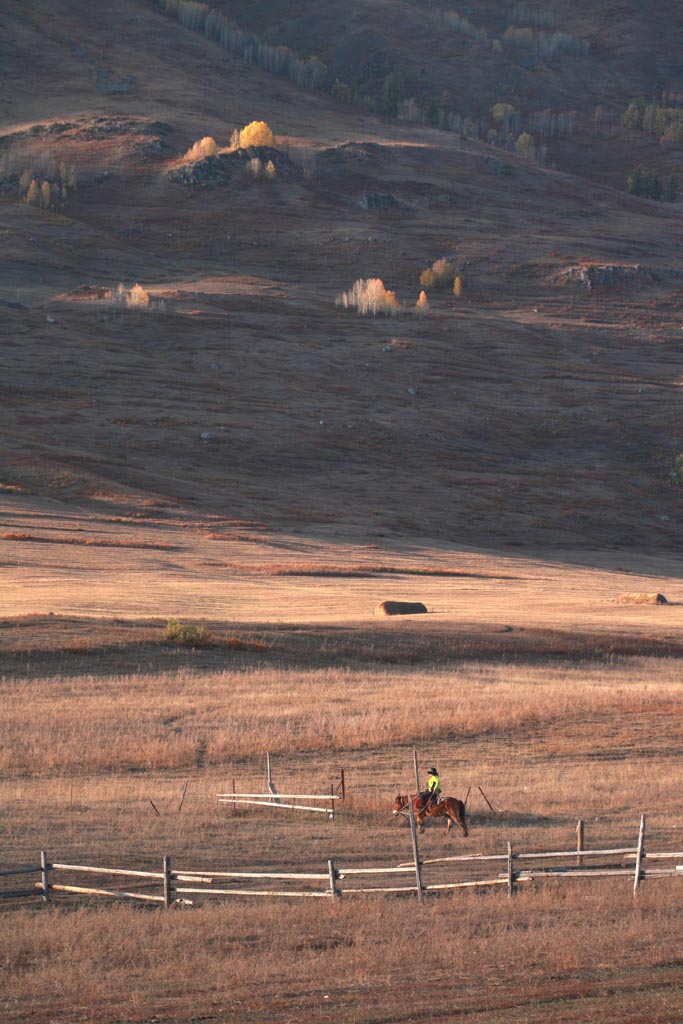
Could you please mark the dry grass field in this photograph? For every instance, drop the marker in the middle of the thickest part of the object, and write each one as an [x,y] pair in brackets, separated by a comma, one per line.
[244,455]
[547,736]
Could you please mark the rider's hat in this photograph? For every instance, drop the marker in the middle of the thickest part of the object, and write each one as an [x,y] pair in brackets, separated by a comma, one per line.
[433,771]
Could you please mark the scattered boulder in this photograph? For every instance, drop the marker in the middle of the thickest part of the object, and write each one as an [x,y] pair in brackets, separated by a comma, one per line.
[210,170]
[641,598]
[218,170]
[378,201]
[592,275]
[401,608]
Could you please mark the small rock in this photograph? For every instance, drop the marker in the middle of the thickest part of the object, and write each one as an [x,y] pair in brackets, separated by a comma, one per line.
[50,319]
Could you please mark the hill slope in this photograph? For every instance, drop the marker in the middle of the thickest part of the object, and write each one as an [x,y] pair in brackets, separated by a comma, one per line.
[538,408]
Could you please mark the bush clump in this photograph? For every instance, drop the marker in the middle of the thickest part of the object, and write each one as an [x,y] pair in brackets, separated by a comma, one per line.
[441,274]
[186,635]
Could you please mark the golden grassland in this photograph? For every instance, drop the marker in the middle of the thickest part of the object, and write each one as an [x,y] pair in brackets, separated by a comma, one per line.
[548,741]
[570,955]
[172,720]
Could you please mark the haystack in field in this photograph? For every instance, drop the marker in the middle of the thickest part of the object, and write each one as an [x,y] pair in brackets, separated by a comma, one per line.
[400,608]
[639,598]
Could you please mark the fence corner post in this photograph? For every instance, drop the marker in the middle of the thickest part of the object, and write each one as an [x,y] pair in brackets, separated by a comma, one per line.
[640,853]
[168,882]
[44,875]
[511,873]
[579,841]
[334,890]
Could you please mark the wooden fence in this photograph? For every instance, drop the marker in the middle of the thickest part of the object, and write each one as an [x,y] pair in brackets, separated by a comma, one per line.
[169,886]
[272,798]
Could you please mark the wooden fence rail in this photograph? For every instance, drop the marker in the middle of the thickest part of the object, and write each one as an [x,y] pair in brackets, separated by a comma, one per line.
[169,886]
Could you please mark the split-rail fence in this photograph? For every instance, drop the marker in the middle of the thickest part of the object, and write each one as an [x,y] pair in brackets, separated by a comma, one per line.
[170,886]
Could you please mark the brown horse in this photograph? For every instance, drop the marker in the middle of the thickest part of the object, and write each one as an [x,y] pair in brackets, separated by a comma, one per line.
[450,807]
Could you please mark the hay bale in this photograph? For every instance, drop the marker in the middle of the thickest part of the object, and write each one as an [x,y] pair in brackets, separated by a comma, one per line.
[401,608]
[640,598]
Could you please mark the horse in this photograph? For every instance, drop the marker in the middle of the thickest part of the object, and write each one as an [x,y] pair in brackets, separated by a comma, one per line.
[449,807]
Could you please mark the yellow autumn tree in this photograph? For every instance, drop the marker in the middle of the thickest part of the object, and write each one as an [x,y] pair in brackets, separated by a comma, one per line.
[138,297]
[205,147]
[457,286]
[32,193]
[370,297]
[422,304]
[439,275]
[256,133]
[45,195]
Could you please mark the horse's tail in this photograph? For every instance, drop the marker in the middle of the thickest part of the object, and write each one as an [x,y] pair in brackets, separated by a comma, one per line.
[463,818]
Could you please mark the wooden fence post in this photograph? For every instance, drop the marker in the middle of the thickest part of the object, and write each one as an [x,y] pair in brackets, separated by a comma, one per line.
[182,798]
[640,853]
[234,805]
[44,875]
[579,842]
[331,814]
[168,882]
[511,873]
[416,852]
[417,771]
[342,785]
[271,784]
[334,891]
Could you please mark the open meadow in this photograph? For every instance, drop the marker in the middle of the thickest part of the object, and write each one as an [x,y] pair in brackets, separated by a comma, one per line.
[541,725]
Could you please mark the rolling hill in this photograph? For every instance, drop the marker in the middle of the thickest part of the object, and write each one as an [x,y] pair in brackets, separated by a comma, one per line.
[540,408]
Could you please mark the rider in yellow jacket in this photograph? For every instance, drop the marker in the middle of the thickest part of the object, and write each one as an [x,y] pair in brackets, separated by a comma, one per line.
[433,787]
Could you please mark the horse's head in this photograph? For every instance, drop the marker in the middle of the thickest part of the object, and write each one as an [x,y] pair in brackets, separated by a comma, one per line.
[399,803]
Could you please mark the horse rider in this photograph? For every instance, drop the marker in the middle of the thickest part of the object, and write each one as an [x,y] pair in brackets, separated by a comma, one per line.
[433,791]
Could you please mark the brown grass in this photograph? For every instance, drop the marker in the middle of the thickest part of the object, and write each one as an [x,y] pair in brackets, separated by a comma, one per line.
[547,742]
[160,720]
[562,955]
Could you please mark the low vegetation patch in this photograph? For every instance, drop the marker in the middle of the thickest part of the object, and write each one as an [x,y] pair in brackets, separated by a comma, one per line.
[92,542]
[186,635]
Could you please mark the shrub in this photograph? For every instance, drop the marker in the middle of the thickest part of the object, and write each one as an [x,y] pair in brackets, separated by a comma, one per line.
[646,183]
[205,147]
[369,296]
[186,635]
[677,471]
[439,275]
[457,286]
[256,133]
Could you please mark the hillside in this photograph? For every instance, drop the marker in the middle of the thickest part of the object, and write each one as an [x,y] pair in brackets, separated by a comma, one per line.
[540,408]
